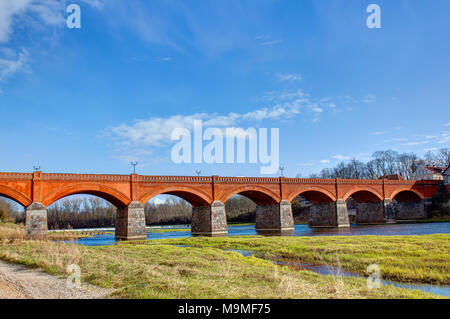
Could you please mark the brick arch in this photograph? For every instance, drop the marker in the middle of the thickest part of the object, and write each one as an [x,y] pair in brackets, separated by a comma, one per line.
[362,189]
[406,189]
[15,195]
[259,194]
[193,196]
[112,195]
[322,194]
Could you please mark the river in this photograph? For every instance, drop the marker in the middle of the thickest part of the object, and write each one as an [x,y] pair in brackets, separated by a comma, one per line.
[180,231]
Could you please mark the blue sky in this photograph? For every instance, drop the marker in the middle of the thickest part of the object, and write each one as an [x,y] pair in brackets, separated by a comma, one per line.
[91,100]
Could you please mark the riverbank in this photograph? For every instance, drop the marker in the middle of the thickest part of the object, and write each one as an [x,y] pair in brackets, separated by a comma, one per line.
[204,269]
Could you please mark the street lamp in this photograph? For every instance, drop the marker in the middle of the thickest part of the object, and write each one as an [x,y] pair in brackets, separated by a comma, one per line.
[198,173]
[36,168]
[134,166]
[281,170]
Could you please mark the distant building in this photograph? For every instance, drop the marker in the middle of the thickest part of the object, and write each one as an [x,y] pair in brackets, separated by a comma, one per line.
[446,177]
[429,173]
[393,177]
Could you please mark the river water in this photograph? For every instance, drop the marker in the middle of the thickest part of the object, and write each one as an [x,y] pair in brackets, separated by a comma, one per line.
[180,231]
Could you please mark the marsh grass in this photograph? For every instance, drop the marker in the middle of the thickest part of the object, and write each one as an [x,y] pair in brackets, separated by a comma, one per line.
[418,258]
[159,269]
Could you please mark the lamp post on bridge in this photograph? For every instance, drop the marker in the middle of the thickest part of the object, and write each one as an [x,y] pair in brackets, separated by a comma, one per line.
[281,171]
[198,172]
[134,166]
[36,168]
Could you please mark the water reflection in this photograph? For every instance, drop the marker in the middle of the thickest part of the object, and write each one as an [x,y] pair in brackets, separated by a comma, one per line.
[334,271]
[182,231]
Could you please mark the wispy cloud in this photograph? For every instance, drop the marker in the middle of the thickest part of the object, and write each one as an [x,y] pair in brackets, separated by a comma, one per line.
[9,9]
[289,77]
[377,133]
[267,41]
[369,98]
[29,15]
[164,59]
[341,157]
[416,143]
[325,161]
[10,66]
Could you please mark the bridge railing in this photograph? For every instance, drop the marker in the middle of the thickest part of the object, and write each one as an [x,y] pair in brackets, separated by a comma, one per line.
[205,179]
[191,179]
[86,177]
[16,176]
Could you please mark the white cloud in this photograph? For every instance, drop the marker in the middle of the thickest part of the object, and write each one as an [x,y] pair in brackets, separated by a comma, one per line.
[417,143]
[341,157]
[289,77]
[267,41]
[11,66]
[35,14]
[164,59]
[377,133]
[270,43]
[94,3]
[369,98]
[448,124]
[8,9]
[324,161]
[445,137]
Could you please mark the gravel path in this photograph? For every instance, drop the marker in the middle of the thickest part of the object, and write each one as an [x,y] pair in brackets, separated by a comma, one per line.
[20,282]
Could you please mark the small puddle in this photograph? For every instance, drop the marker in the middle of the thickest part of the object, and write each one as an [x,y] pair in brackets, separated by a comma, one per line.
[334,271]
[244,253]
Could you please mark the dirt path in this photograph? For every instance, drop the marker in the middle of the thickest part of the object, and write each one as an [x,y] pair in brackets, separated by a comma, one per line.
[20,282]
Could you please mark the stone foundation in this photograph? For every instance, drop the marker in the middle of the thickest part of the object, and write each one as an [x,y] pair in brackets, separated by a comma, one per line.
[329,215]
[410,210]
[209,220]
[275,217]
[342,213]
[36,221]
[130,222]
[389,211]
[370,213]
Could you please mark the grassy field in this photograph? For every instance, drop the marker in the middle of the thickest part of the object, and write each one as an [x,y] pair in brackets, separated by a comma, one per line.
[423,259]
[159,269]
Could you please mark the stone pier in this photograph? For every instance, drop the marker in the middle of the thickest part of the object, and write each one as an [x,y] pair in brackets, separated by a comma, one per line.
[370,213]
[130,222]
[275,217]
[36,221]
[410,210]
[329,215]
[389,211]
[209,220]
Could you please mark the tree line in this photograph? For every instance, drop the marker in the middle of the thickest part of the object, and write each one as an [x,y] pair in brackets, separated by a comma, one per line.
[93,212]
[386,163]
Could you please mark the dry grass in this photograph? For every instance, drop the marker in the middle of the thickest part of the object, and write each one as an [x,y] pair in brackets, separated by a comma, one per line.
[159,270]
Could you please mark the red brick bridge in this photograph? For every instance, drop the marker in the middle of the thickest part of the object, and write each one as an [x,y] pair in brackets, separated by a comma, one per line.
[379,201]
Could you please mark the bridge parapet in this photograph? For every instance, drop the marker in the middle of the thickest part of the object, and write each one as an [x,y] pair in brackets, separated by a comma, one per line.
[85,177]
[26,176]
